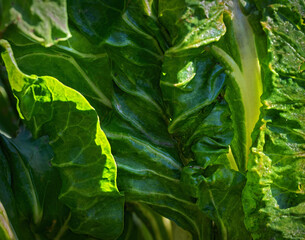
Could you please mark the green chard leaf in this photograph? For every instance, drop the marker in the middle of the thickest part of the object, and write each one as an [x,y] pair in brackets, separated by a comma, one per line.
[81,150]
[45,22]
[29,187]
[29,161]
[148,165]
[274,195]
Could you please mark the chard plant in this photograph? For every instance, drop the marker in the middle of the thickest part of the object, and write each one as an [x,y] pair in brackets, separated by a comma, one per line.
[155,119]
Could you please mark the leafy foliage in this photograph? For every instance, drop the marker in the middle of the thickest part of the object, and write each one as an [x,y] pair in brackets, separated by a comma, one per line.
[135,116]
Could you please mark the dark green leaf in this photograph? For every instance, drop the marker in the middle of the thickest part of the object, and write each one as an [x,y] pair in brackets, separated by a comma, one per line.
[274,195]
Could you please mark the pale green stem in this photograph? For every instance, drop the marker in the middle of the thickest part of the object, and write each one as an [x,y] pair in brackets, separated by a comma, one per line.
[248,78]
[250,84]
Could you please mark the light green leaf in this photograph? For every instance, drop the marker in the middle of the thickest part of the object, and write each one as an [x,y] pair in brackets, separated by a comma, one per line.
[45,22]
[82,152]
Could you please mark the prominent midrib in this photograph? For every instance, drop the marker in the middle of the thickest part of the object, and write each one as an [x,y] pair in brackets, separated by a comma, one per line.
[251,84]
[248,77]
